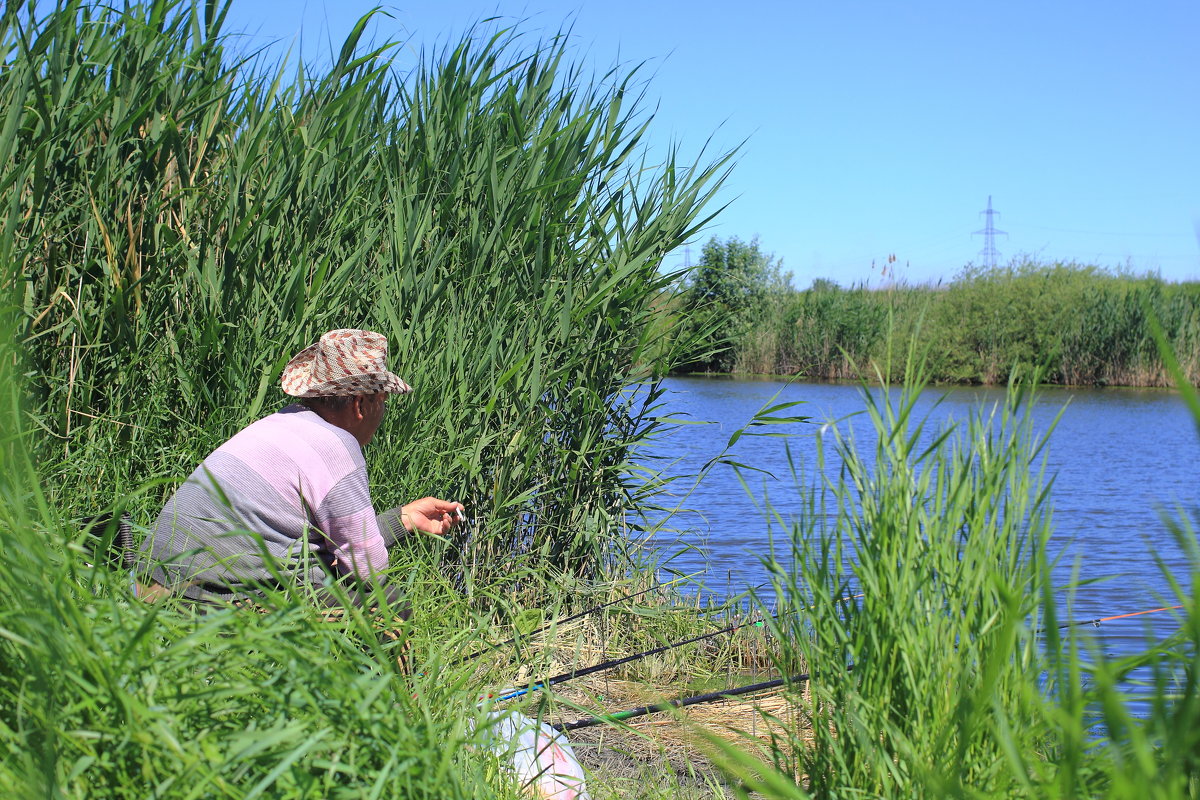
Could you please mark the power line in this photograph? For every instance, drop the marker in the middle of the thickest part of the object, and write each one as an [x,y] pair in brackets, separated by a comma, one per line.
[1112,233]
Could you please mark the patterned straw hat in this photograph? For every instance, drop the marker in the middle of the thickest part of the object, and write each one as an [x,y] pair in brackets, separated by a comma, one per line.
[344,362]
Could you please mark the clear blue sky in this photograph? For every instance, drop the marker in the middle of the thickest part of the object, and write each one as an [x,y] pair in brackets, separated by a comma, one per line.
[874,128]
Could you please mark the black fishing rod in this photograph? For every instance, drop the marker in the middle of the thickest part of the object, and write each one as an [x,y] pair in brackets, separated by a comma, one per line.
[710,697]
[616,662]
[560,622]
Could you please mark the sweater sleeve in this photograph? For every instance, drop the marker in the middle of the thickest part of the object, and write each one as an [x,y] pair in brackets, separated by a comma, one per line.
[348,521]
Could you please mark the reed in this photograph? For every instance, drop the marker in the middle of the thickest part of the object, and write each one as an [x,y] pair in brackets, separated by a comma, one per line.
[179,221]
[942,535]
[920,599]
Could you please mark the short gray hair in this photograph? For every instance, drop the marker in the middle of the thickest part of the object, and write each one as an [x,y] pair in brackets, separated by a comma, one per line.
[328,402]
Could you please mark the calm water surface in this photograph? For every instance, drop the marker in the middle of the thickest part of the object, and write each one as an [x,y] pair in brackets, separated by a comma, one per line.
[1119,459]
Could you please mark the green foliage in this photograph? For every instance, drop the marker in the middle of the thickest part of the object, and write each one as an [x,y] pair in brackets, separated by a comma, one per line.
[920,606]
[178,223]
[993,323]
[734,275]
[832,330]
[1076,325]
[939,534]
[727,290]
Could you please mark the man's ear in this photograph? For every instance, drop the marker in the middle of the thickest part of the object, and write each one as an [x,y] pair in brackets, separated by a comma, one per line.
[356,406]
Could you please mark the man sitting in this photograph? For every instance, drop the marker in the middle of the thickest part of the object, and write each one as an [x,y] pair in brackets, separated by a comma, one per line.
[287,499]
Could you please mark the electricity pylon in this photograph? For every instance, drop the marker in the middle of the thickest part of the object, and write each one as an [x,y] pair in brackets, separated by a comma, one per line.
[989,232]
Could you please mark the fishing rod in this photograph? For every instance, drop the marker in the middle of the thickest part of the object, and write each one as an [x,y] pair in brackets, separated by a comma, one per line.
[775,683]
[561,622]
[616,662]
[654,708]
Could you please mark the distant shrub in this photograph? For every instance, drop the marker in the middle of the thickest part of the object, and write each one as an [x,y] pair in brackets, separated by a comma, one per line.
[1075,324]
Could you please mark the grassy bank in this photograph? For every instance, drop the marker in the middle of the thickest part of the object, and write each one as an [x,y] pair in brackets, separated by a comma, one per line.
[177,223]
[1079,325]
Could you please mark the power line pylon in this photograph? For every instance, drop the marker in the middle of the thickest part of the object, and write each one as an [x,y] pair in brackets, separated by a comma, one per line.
[989,252]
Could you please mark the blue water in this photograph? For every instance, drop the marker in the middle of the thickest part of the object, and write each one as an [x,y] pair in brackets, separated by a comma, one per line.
[1119,460]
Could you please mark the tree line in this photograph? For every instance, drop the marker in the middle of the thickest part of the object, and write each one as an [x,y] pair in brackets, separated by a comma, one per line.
[1075,324]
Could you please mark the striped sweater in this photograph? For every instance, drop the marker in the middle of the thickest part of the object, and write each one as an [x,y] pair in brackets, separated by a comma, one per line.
[287,496]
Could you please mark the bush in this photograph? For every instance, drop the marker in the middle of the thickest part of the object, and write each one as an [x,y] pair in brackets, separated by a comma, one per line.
[726,298]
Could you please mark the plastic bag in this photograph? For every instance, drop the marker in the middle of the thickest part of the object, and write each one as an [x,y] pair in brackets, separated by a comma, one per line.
[540,756]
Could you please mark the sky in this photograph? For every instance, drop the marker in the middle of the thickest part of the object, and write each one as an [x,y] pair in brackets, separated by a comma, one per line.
[870,129]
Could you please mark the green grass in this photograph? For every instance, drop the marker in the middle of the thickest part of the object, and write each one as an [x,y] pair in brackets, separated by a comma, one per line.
[178,222]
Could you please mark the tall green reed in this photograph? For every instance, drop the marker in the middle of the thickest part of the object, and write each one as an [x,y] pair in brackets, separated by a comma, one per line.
[1149,752]
[950,675]
[834,332]
[942,533]
[180,220]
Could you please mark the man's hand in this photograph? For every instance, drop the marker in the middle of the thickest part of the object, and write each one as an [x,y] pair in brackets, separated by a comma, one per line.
[431,515]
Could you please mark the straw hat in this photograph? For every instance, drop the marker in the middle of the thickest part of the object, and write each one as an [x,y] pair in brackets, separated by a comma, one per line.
[343,362]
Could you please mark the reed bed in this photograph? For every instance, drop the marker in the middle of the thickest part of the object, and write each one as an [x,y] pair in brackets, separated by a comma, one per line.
[181,220]
[1075,324]
[178,220]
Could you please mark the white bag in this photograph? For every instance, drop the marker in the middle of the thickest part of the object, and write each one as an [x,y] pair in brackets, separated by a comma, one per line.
[540,756]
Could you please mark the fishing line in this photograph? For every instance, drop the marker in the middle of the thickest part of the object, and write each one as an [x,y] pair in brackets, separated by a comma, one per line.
[1096,622]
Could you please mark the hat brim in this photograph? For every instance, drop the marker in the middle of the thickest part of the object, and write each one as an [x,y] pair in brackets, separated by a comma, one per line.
[297,380]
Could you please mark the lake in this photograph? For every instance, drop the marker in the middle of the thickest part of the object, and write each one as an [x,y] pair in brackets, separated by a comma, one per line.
[1119,458]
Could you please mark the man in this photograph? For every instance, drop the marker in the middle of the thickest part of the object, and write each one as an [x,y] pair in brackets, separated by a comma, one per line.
[286,500]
